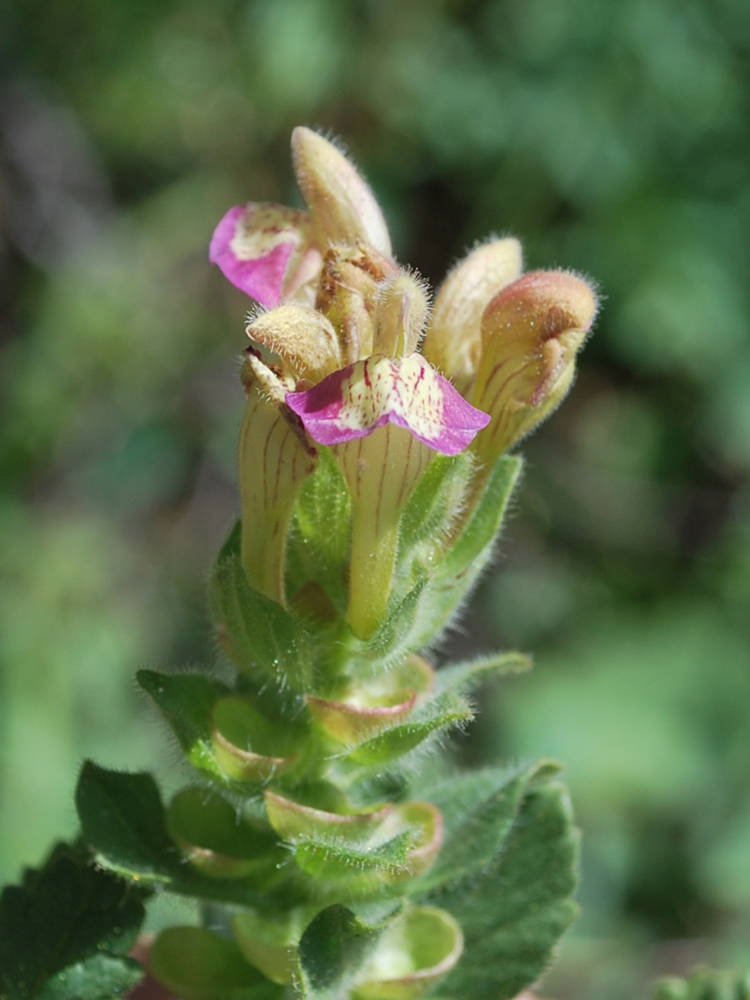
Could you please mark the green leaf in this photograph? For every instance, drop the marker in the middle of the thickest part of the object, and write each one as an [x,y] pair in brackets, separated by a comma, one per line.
[123,820]
[464,677]
[440,713]
[101,977]
[339,861]
[437,497]
[262,638]
[471,548]
[319,538]
[194,706]
[65,933]
[122,817]
[514,911]
[704,984]
[186,701]
[392,640]
[331,951]
[478,809]
[452,572]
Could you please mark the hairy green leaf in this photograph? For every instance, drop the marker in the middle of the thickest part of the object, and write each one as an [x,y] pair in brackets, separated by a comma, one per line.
[319,538]
[340,861]
[392,640]
[514,911]
[464,677]
[186,701]
[471,545]
[438,496]
[65,932]
[101,977]
[478,809]
[262,638]
[122,818]
[441,713]
[123,821]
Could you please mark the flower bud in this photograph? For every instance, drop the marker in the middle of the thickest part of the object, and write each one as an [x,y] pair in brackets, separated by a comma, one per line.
[267,252]
[302,337]
[342,206]
[453,339]
[400,315]
[531,333]
[275,458]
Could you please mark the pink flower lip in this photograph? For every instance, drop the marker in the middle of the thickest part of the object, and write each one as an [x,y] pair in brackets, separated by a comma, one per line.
[409,393]
[261,277]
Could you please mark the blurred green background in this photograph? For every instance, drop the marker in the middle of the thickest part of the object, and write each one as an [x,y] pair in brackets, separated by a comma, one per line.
[612,138]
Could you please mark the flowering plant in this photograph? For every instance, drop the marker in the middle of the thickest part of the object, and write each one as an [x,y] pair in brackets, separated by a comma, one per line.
[334,854]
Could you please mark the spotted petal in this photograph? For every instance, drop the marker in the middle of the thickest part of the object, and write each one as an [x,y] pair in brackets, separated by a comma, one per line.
[265,250]
[407,392]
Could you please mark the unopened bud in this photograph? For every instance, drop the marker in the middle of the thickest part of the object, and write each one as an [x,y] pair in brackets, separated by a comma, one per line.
[531,333]
[400,316]
[302,337]
[342,206]
[453,339]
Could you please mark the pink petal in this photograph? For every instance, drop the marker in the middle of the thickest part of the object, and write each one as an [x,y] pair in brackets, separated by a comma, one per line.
[253,245]
[407,392]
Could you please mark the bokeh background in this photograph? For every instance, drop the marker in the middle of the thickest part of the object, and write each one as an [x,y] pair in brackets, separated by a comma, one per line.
[612,138]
